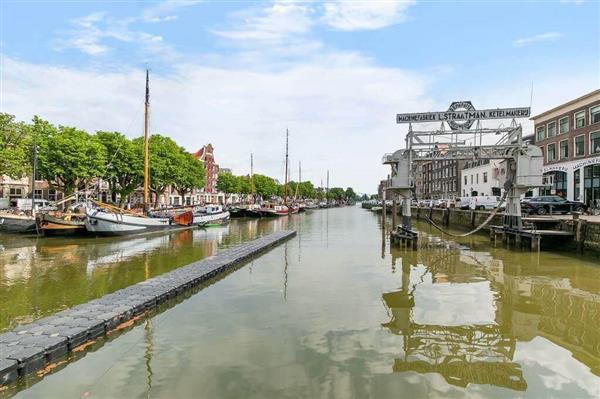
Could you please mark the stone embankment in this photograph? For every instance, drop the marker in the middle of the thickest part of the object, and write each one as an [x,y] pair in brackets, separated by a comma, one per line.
[586,232]
[31,347]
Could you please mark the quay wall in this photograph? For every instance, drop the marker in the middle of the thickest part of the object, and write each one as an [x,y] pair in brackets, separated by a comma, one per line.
[586,233]
[31,347]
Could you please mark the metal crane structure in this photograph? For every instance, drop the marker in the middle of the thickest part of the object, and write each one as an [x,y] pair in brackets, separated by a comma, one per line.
[461,142]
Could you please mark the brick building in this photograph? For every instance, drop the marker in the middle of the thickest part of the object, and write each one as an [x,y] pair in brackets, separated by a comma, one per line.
[441,179]
[569,136]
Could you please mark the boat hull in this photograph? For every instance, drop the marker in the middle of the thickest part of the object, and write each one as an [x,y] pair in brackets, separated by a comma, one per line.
[216,219]
[17,224]
[114,224]
[52,226]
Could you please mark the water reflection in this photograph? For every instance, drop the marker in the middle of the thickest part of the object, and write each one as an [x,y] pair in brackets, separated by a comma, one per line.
[474,342]
[40,276]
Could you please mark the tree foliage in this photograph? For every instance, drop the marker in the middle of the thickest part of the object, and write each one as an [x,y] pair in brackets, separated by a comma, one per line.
[265,186]
[228,183]
[124,169]
[15,147]
[190,173]
[68,158]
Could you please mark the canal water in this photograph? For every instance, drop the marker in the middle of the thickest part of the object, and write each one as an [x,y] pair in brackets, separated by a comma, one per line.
[334,312]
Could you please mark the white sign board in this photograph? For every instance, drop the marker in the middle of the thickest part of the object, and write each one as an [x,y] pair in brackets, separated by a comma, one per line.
[464,115]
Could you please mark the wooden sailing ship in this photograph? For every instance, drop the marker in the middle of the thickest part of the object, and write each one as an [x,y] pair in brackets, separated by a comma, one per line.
[104,219]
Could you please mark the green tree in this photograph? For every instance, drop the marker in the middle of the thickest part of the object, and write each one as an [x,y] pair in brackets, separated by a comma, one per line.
[228,183]
[15,147]
[189,174]
[164,159]
[307,190]
[350,195]
[68,158]
[265,186]
[124,170]
[336,193]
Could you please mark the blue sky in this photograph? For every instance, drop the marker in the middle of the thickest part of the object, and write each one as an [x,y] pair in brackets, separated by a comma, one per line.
[237,73]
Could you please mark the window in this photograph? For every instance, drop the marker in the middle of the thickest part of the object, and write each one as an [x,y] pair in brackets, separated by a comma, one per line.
[595,114]
[594,143]
[579,146]
[564,149]
[465,179]
[540,133]
[15,191]
[485,177]
[37,194]
[477,178]
[576,178]
[471,179]
[563,125]
[551,129]
[51,195]
[552,152]
[579,120]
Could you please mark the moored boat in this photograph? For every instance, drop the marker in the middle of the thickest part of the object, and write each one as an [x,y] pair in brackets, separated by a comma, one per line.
[68,224]
[106,222]
[211,215]
[269,209]
[16,223]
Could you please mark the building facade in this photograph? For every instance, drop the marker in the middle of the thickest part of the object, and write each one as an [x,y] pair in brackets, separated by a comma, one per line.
[441,179]
[569,136]
[206,155]
[482,177]
[13,189]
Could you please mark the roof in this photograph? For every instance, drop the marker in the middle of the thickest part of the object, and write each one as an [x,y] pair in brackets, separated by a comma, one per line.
[557,108]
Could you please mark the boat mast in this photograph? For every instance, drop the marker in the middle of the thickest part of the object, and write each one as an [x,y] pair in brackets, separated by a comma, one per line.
[34,171]
[327,192]
[286,166]
[299,180]
[252,177]
[146,145]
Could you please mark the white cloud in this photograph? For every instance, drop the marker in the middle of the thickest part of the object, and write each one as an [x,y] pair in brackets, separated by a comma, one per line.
[338,100]
[91,31]
[274,23]
[542,37]
[162,11]
[365,15]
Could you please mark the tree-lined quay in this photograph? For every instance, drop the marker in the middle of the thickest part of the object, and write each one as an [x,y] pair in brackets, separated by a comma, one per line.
[72,160]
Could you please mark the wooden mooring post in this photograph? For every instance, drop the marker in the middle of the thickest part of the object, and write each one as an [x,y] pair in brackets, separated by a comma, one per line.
[394,212]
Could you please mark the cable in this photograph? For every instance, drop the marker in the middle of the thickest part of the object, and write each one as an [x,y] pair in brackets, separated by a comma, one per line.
[490,217]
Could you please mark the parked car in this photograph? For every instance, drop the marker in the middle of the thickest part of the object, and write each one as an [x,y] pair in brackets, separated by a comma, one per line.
[427,203]
[551,204]
[462,202]
[483,202]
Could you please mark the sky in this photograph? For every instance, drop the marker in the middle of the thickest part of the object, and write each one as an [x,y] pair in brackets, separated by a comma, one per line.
[237,74]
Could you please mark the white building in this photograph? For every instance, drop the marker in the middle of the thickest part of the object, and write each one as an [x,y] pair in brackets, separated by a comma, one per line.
[483,177]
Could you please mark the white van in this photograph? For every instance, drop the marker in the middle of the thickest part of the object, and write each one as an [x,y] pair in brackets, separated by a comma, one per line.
[24,204]
[462,203]
[483,202]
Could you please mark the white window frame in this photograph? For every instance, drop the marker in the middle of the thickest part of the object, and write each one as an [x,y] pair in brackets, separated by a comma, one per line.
[548,152]
[575,146]
[536,132]
[595,106]
[548,130]
[560,151]
[590,143]
[575,119]
[559,124]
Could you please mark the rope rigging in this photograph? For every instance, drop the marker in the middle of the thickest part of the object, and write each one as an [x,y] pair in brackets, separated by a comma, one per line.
[481,226]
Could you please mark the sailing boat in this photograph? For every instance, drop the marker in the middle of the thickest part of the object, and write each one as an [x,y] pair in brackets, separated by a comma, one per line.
[269,209]
[110,220]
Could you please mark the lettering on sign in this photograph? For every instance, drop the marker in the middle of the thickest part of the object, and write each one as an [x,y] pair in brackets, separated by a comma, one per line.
[463,111]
